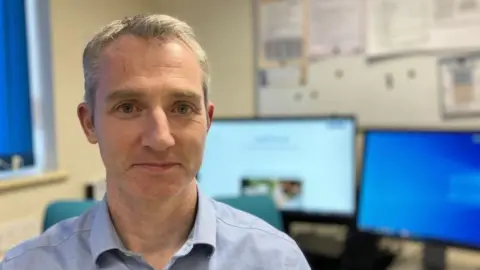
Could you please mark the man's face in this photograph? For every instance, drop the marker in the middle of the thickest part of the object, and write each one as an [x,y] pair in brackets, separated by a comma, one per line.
[149,117]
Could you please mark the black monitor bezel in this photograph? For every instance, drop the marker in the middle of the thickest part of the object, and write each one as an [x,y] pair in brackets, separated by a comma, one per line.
[302,216]
[427,240]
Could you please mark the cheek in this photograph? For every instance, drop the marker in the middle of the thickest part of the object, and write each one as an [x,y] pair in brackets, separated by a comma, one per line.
[192,145]
[115,138]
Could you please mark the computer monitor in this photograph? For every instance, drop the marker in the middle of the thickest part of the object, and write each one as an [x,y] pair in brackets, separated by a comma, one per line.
[306,164]
[422,185]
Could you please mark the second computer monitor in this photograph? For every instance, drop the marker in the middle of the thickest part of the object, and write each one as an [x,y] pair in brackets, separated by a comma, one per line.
[307,165]
[422,185]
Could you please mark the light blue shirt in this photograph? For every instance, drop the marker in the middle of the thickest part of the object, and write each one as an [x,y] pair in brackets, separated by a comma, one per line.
[222,238]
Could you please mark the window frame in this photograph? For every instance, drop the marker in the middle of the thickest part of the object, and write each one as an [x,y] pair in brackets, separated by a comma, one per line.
[39,51]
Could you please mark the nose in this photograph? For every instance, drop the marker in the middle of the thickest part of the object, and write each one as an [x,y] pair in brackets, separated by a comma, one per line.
[157,135]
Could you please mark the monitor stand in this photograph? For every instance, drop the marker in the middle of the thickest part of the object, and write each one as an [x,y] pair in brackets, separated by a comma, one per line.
[434,257]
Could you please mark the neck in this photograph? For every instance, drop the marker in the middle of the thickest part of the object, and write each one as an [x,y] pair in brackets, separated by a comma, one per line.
[148,227]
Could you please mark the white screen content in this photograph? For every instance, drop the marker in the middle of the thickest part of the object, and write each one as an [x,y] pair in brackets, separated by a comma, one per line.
[306,165]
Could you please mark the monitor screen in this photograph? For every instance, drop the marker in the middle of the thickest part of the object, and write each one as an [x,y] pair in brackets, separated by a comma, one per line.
[422,185]
[306,164]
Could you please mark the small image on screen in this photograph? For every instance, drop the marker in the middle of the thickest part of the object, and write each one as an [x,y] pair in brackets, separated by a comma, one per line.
[287,193]
[422,185]
[306,165]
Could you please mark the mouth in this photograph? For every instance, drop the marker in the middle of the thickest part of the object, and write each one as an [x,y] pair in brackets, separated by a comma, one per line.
[156,167]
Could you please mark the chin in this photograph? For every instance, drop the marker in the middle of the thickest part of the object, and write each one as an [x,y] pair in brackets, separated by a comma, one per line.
[150,186]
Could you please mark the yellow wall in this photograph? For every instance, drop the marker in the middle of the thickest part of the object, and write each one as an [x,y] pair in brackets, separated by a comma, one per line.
[224,29]
[73,23]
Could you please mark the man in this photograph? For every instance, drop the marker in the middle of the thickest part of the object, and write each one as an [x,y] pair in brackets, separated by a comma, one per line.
[146,106]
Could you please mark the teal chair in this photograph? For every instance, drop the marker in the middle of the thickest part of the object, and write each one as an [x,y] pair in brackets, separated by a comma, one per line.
[61,210]
[261,206]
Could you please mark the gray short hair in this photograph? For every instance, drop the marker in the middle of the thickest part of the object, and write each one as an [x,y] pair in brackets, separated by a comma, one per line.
[145,26]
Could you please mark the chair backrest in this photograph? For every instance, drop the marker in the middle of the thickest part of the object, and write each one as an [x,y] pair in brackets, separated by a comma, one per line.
[261,206]
[61,210]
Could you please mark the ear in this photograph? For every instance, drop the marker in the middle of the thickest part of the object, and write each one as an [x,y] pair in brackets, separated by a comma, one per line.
[85,115]
[210,110]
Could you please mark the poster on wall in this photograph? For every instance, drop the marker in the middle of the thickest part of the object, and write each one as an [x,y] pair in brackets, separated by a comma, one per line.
[399,27]
[459,85]
[280,51]
[292,35]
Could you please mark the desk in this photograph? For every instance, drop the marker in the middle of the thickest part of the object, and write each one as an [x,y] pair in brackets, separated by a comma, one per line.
[416,265]
[411,256]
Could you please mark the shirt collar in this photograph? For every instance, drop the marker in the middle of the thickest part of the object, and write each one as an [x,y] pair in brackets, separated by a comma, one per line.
[104,237]
[205,228]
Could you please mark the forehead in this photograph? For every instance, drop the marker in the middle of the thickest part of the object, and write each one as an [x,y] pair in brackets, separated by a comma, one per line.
[150,64]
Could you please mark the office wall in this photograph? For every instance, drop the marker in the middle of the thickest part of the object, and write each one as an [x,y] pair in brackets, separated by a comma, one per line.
[73,22]
[225,29]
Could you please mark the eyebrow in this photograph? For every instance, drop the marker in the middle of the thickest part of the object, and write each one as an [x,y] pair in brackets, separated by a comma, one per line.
[185,94]
[123,94]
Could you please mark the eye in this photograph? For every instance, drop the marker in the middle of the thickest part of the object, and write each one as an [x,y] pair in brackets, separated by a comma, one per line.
[183,108]
[127,108]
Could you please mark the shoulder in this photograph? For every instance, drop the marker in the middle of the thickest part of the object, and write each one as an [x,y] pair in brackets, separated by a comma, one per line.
[239,232]
[53,246]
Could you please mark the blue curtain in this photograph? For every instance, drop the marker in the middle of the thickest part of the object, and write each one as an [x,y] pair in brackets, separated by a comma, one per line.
[16,137]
